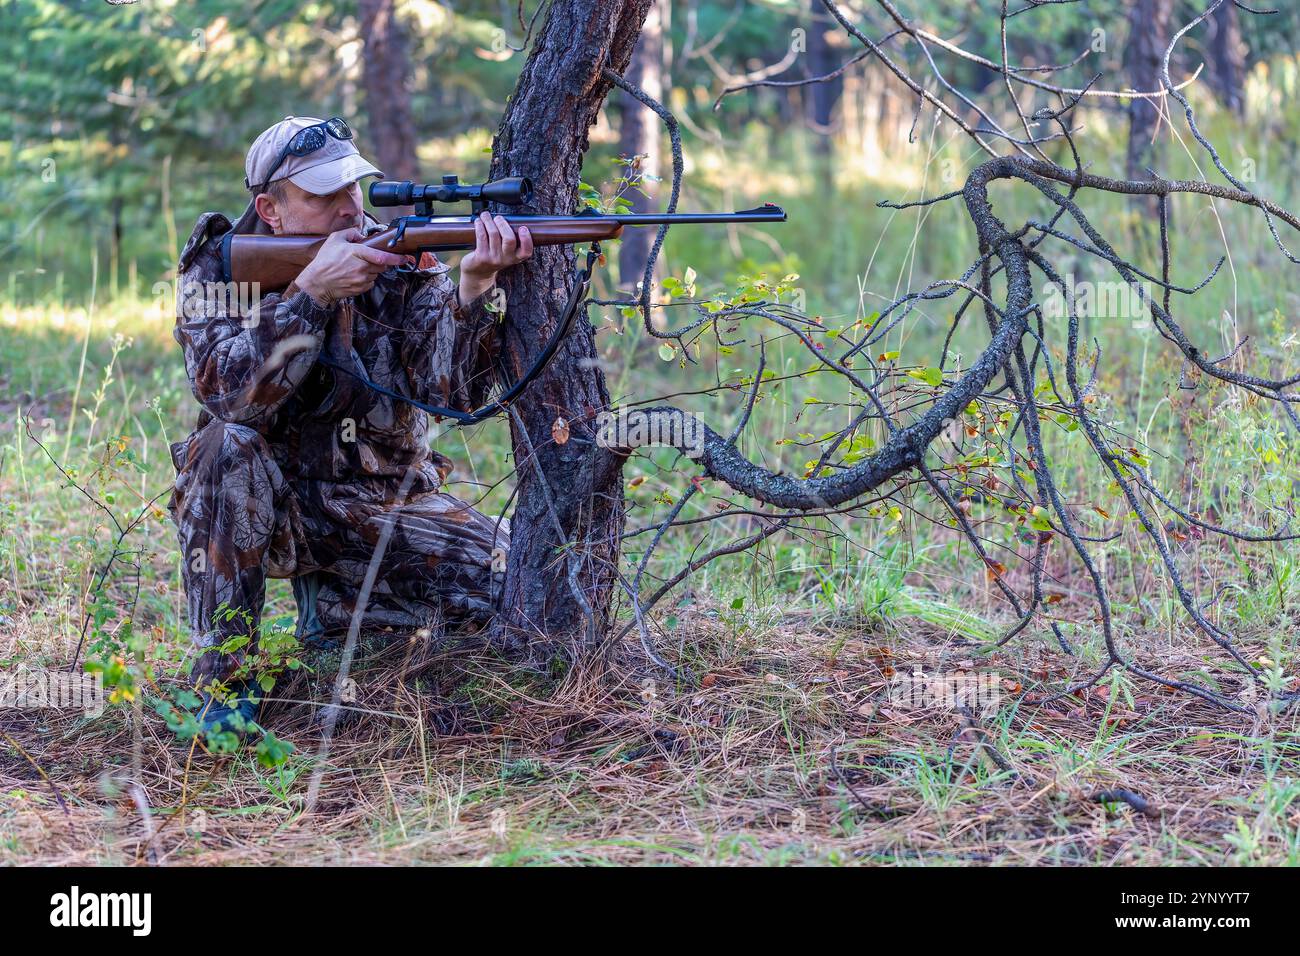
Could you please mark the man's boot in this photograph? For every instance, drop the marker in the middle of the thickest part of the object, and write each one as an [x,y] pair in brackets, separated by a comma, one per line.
[237,713]
[310,631]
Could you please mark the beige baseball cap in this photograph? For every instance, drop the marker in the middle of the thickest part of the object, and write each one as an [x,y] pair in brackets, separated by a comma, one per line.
[322,171]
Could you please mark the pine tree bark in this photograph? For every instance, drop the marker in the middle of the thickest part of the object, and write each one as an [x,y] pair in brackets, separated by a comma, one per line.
[1228,54]
[575,504]
[821,60]
[385,72]
[1147,39]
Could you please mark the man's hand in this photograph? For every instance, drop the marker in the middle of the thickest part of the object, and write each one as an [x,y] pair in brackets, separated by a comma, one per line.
[496,248]
[344,267]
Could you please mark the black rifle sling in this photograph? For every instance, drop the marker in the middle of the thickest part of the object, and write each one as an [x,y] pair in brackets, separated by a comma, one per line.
[582,277]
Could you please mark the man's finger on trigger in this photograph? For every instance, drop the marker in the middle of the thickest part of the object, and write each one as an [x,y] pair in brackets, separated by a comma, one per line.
[379,257]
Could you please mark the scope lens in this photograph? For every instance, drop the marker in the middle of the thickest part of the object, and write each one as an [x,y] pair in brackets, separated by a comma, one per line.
[390,193]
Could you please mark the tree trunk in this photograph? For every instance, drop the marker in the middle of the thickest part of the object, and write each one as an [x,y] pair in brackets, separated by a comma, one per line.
[385,71]
[820,61]
[543,135]
[639,134]
[1228,55]
[1147,39]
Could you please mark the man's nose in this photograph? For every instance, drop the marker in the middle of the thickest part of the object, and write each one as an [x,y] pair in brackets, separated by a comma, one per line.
[348,208]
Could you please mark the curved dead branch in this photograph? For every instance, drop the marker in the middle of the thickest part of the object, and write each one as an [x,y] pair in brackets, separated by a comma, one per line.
[1013,255]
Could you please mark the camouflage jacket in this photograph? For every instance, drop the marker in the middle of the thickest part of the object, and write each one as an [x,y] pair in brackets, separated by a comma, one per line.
[256,365]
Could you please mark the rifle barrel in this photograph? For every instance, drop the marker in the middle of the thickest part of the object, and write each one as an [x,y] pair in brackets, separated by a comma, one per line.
[773,214]
[274,261]
[770,213]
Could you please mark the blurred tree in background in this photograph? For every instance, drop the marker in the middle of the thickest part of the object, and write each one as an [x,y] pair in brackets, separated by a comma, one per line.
[120,123]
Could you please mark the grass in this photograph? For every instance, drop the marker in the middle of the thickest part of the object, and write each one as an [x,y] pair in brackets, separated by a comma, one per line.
[781,745]
[472,763]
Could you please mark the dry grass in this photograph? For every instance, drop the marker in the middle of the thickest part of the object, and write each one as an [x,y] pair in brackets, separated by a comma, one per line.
[786,750]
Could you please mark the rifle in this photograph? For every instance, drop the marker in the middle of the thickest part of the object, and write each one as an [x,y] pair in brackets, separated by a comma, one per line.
[274,261]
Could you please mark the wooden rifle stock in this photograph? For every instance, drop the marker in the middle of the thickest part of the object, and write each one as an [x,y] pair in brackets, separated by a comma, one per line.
[275,261]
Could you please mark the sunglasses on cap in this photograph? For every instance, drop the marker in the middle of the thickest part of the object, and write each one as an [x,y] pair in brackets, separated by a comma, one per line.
[308,140]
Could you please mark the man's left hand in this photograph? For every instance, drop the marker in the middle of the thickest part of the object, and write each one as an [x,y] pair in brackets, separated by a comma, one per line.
[496,248]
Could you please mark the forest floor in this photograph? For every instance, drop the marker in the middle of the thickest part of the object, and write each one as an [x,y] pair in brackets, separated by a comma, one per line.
[789,748]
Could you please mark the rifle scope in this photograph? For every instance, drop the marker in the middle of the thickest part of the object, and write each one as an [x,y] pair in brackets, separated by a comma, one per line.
[513,191]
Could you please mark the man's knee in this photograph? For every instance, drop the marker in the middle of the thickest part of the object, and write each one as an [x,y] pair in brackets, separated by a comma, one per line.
[222,453]
[230,493]
[228,447]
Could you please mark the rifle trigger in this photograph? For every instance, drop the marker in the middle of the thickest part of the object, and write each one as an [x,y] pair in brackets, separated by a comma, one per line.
[401,233]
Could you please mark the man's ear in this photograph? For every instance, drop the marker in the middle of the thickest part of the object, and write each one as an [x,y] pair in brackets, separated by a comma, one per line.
[266,209]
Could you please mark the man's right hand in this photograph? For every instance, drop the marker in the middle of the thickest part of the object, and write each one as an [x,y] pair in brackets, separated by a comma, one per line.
[344,267]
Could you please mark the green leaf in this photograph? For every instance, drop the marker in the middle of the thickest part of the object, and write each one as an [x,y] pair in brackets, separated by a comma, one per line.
[272,751]
[1039,520]
[931,376]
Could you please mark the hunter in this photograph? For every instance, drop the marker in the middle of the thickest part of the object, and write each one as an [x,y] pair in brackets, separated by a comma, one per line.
[294,470]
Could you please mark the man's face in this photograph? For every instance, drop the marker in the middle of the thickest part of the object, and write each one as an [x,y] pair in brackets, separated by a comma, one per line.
[304,213]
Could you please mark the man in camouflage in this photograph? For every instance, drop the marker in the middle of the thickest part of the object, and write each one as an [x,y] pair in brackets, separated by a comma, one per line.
[294,469]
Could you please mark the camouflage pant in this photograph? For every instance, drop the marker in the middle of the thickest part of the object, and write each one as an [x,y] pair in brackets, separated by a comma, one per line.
[241,521]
